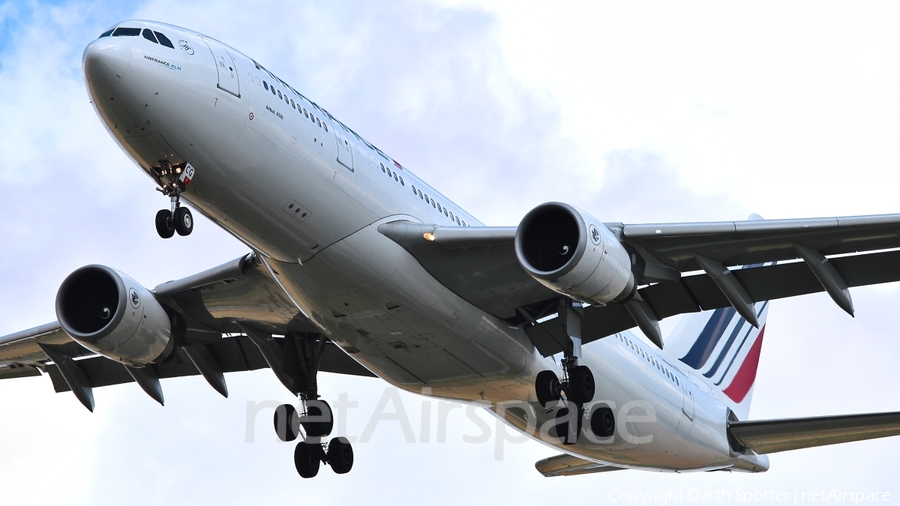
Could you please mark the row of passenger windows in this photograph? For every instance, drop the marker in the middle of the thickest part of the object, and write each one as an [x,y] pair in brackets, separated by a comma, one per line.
[429,200]
[296,107]
[283,96]
[154,37]
[640,351]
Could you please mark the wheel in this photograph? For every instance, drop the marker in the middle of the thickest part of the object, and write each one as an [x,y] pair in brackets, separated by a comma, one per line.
[581,385]
[568,425]
[318,421]
[340,455]
[546,387]
[164,225]
[307,458]
[603,422]
[287,424]
[184,221]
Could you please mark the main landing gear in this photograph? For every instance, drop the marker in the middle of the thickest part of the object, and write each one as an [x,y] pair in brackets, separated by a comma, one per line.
[172,181]
[578,381]
[315,420]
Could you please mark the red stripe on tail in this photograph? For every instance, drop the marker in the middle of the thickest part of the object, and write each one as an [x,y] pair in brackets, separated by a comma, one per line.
[746,375]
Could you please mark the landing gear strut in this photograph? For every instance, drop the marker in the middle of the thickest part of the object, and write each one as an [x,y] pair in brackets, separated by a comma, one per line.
[172,180]
[314,420]
[578,381]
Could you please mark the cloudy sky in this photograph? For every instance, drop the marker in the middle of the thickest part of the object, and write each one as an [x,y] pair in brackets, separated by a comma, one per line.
[645,112]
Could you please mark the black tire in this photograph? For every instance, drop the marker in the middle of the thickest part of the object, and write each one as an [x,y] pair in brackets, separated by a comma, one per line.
[603,422]
[164,224]
[546,387]
[307,459]
[581,385]
[568,428]
[184,221]
[340,455]
[287,425]
[319,420]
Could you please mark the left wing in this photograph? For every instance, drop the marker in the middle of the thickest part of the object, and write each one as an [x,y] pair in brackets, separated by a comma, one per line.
[678,268]
[225,319]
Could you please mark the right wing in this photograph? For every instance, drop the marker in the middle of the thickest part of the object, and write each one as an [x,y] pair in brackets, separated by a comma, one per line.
[679,267]
[229,318]
[771,436]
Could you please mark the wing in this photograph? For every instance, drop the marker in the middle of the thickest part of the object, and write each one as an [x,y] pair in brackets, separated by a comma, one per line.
[230,318]
[567,465]
[771,436]
[679,267]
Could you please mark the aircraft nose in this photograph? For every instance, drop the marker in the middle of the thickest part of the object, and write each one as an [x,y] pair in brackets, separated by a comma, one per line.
[106,60]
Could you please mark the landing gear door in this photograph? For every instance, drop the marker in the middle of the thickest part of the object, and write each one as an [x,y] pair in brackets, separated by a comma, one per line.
[228,76]
[344,150]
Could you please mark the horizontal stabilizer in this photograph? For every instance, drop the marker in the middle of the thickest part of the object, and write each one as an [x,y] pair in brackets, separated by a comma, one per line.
[567,465]
[770,436]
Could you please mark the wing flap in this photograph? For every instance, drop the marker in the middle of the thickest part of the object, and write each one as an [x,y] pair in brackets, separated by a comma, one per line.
[771,436]
[758,241]
[233,354]
[568,465]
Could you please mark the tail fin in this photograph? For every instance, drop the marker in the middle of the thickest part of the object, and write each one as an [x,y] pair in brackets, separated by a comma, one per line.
[722,350]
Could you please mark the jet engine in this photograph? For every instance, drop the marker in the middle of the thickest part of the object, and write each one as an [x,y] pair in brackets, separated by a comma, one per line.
[572,253]
[108,312]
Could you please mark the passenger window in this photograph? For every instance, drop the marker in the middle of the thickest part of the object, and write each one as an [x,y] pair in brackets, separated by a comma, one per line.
[272,89]
[279,95]
[318,122]
[439,208]
[401,181]
[451,216]
[420,194]
[382,167]
[457,221]
[305,113]
[164,40]
[126,32]
[266,85]
[445,212]
[464,223]
[325,126]
[149,36]
[414,190]
[396,178]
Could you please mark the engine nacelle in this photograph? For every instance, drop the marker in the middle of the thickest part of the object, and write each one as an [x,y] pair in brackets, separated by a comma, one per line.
[109,313]
[572,253]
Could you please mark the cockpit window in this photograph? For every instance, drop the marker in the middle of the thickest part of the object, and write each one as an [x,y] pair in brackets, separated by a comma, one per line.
[106,33]
[164,40]
[126,32]
[149,36]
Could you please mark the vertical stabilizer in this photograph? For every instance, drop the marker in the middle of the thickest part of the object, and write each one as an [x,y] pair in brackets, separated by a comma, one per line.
[721,349]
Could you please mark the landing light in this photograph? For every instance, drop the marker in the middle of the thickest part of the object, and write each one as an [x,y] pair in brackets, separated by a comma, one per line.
[429,236]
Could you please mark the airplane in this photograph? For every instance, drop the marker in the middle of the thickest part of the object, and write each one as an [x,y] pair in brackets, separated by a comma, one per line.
[357,266]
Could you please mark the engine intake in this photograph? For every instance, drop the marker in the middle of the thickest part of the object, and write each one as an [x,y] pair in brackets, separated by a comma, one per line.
[572,253]
[109,313]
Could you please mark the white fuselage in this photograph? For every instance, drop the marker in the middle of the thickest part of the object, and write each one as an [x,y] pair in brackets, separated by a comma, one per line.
[308,194]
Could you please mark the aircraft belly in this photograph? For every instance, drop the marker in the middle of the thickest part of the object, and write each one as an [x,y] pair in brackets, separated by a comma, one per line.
[377,303]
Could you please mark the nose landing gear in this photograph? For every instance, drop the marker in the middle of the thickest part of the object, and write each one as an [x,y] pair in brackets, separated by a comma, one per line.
[172,180]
